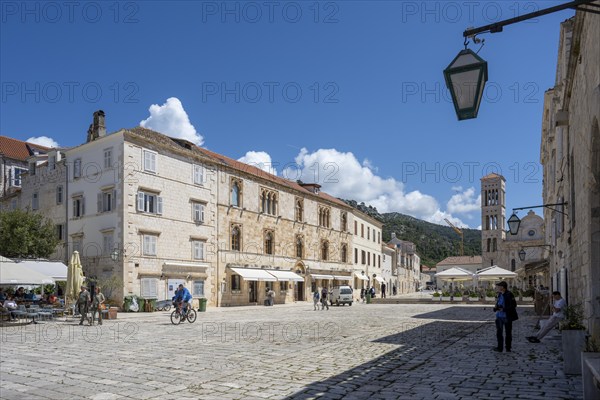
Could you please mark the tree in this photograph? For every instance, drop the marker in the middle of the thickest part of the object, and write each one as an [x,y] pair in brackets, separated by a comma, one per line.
[24,234]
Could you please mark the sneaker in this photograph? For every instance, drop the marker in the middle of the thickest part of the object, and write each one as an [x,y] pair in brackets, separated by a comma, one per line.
[533,340]
[496,349]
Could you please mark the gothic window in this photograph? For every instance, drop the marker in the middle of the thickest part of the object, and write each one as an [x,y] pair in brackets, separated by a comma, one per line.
[268,202]
[269,242]
[344,253]
[236,193]
[325,217]
[344,224]
[494,245]
[299,247]
[236,237]
[299,210]
[324,250]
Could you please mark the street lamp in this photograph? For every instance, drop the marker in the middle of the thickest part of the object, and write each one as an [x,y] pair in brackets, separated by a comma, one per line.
[465,78]
[514,222]
[522,255]
[467,73]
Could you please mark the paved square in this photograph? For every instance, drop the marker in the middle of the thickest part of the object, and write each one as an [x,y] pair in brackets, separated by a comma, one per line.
[387,351]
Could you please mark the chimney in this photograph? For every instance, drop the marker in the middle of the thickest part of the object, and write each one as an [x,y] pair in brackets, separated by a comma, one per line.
[97,128]
[311,187]
[393,235]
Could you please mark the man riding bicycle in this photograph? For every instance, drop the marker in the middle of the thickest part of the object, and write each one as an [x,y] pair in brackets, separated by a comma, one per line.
[183,295]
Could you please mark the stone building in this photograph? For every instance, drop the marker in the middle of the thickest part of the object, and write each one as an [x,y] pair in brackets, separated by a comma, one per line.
[570,155]
[157,211]
[408,265]
[14,162]
[468,263]
[367,252]
[502,249]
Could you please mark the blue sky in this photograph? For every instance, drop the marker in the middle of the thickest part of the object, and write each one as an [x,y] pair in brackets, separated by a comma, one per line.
[349,93]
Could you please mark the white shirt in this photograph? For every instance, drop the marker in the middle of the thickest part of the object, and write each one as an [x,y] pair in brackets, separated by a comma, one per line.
[560,303]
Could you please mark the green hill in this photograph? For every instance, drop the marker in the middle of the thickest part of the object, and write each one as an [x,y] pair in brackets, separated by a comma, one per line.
[434,242]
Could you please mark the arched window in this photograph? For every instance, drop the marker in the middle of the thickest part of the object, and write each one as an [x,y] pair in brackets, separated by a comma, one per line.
[513,265]
[344,222]
[324,250]
[489,245]
[269,242]
[235,194]
[299,210]
[344,254]
[299,247]
[236,238]
[494,244]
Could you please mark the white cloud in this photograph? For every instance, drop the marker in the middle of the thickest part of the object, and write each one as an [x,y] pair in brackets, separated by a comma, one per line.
[171,119]
[465,202]
[457,188]
[342,175]
[259,159]
[43,141]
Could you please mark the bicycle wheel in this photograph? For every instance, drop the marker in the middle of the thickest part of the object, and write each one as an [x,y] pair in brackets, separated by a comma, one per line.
[191,316]
[175,318]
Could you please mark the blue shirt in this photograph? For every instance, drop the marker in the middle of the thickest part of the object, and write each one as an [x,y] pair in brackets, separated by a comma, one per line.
[500,303]
[183,294]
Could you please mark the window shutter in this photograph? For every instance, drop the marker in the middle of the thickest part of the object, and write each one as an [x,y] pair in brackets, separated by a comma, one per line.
[198,175]
[82,206]
[100,202]
[140,201]
[146,245]
[114,200]
[75,211]
[201,212]
[159,203]
[200,250]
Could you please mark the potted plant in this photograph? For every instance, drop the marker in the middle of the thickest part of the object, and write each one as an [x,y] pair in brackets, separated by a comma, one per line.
[436,296]
[573,338]
[516,292]
[490,295]
[528,295]
[446,296]
[473,296]
[590,355]
[457,295]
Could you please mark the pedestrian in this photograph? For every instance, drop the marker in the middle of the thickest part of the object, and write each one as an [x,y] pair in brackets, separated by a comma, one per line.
[506,313]
[383,286]
[324,299]
[558,315]
[83,303]
[316,298]
[362,294]
[271,297]
[372,292]
[97,305]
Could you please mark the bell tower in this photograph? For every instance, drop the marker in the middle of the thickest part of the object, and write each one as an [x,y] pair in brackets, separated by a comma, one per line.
[493,218]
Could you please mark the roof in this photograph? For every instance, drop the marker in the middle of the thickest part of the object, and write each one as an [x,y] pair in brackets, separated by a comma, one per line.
[19,150]
[492,176]
[230,162]
[461,260]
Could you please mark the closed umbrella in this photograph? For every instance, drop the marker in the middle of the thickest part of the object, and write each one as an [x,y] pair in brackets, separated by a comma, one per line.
[74,277]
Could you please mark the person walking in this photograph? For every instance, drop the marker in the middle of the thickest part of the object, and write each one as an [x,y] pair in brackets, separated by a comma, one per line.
[558,315]
[97,304]
[506,313]
[324,299]
[362,294]
[83,303]
[271,297]
[383,286]
[316,298]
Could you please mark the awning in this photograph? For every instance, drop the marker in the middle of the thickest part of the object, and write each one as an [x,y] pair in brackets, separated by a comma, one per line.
[319,276]
[12,273]
[379,279]
[54,269]
[361,276]
[251,274]
[343,277]
[286,275]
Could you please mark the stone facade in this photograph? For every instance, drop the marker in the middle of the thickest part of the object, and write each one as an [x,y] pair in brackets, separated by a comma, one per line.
[570,154]
[366,251]
[408,265]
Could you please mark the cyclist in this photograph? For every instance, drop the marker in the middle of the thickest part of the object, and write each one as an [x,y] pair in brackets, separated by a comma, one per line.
[183,295]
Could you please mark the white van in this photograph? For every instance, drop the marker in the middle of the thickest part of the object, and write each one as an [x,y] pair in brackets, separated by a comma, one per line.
[341,295]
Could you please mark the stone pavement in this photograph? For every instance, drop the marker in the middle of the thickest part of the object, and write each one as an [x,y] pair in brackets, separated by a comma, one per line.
[388,351]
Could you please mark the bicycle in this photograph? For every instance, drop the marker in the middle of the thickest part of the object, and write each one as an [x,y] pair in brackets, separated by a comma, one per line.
[179,315]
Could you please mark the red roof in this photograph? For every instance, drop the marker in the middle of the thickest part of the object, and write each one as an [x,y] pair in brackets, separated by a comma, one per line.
[17,149]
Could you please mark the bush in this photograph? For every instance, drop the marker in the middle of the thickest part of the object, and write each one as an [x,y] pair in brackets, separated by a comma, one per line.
[457,294]
[573,318]
[436,294]
[490,293]
[473,294]
[445,294]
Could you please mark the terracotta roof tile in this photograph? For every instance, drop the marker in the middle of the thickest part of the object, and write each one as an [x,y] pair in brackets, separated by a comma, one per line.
[17,149]
[461,260]
[230,162]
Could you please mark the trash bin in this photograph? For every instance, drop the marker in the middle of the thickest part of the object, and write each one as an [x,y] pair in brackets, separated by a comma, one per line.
[142,304]
[368,298]
[202,305]
[126,303]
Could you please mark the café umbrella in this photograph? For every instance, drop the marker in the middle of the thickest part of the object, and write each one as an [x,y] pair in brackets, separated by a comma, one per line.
[494,273]
[74,277]
[455,274]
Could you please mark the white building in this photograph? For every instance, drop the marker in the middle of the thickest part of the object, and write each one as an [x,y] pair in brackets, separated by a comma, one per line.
[367,251]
